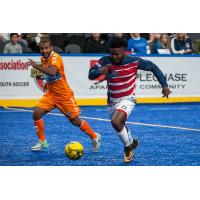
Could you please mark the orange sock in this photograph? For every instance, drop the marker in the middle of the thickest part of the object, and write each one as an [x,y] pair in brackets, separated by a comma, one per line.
[39,126]
[87,129]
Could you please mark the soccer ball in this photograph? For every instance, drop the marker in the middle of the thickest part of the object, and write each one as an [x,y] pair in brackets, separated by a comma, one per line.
[74,150]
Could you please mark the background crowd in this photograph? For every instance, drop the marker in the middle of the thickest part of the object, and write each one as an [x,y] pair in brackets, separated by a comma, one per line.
[137,43]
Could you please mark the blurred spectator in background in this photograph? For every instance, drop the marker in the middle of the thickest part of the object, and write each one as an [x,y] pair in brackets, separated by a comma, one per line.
[74,42]
[137,44]
[4,37]
[13,46]
[33,40]
[30,38]
[162,46]
[22,41]
[171,35]
[95,44]
[121,35]
[152,39]
[156,36]
[148,36]
[181,44]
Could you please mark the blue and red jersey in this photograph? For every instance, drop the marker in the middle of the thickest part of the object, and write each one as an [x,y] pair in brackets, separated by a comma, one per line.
[121,77]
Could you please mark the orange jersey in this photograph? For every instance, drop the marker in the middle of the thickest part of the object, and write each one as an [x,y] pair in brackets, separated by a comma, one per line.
[59,94]
[57,85]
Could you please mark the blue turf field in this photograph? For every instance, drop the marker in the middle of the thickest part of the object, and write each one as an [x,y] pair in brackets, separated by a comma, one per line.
[159,145]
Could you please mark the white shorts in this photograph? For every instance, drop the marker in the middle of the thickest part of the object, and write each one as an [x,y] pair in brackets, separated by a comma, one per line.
[125,105]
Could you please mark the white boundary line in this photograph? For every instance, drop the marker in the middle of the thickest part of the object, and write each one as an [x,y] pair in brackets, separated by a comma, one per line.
[107,120]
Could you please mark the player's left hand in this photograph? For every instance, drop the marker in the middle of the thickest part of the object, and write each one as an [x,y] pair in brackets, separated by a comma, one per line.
[166,92]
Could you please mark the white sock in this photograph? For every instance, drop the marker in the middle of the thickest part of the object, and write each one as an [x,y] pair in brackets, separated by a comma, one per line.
[129,136]
[125,137]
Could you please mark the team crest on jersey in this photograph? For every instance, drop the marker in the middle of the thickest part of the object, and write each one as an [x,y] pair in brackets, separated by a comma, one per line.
[39,78]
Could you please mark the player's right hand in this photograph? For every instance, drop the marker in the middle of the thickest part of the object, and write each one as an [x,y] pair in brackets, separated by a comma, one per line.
[31,62]
[104,69]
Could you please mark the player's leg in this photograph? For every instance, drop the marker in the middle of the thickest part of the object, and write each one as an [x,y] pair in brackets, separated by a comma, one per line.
[118,123]
[119,114]
[72,111]
[86,128]
[39,127]
[43,107]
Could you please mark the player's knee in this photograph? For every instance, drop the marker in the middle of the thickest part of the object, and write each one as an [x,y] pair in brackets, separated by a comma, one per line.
[36,115]
[117,125]
[76,121]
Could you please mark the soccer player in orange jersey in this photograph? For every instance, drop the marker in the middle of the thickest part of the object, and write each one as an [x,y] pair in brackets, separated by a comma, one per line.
[58,94]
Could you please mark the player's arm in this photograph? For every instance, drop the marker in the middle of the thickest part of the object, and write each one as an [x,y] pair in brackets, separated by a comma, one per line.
[101,67]
[95,71]
[147,65]
[47,70]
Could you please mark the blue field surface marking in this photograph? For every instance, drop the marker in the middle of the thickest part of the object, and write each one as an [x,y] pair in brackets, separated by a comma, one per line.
[160,146]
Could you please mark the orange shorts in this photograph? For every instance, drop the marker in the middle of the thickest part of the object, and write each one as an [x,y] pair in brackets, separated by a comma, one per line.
[68,107]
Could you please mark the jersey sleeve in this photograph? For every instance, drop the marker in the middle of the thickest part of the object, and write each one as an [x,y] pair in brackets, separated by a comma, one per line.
[147,65]
[56,61]
[94,71]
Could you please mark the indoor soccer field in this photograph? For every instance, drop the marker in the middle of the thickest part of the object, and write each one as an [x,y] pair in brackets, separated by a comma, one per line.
[169,135]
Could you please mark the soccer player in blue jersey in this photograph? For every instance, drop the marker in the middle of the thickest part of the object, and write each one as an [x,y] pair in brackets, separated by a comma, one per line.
[121,70]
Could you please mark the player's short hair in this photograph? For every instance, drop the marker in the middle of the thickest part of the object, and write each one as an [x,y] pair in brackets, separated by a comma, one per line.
[45,39]
[117,42]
